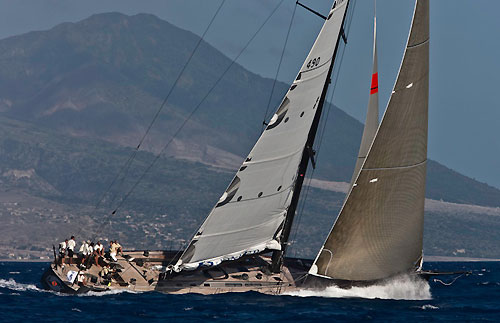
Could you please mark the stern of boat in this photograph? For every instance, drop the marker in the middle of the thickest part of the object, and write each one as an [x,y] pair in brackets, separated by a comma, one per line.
[51,281]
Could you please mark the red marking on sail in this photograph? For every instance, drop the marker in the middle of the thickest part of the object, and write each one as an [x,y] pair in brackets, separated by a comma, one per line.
[374,87]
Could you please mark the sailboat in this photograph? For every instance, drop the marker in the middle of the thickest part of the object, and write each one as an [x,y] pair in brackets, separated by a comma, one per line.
[242,244]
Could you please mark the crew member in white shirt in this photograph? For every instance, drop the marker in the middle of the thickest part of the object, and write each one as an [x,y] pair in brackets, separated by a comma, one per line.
[98,252]
[62,250]
[84,251]
[71,249]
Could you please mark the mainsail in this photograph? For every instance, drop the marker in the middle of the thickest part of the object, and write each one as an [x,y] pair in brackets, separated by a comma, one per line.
[378,232]
[371,123]
[250,215]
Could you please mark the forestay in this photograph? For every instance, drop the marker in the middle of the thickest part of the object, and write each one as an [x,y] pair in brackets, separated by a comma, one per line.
[249,216]
[378,233]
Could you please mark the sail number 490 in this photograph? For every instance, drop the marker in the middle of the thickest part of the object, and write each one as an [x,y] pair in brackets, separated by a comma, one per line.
[313,62]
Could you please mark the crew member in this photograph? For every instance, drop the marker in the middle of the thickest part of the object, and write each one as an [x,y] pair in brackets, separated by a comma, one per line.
[71,244]
[98,252]
[90,256]
[62,250]
[112,250]
[84,250]
[119,250]
[81,279]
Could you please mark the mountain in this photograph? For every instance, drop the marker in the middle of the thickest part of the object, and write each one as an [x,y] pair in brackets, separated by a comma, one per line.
[76,99]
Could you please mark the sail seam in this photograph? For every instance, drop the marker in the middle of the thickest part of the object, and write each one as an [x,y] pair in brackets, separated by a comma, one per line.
[236,231]
[419,44]
[311,78]
[273,159]
[397,167]
[264,196]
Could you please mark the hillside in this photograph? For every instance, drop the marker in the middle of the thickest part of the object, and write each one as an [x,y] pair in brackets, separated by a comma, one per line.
[48,191]
[75,100]
[104,77]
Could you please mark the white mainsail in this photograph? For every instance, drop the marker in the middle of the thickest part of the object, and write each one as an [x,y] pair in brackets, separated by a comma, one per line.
[379,231]
[249,216]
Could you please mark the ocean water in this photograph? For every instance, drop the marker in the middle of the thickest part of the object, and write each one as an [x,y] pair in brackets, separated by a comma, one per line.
[470,298]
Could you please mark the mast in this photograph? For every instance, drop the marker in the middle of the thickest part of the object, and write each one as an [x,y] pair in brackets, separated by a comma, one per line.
[250,216]
[307,154]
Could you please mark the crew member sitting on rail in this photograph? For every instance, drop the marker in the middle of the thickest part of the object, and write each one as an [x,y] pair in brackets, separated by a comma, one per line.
[71,244]
[106,274]
[119,250]
[112,250]
[62,250]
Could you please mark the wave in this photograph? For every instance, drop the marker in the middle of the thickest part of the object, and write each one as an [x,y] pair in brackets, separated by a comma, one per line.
[13,285]
[429,307]
[399,288]
[20,287]
[108,292]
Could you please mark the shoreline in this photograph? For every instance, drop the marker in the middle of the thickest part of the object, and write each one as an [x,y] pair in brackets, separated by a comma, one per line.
[26,260]
[457,259]
[426,259]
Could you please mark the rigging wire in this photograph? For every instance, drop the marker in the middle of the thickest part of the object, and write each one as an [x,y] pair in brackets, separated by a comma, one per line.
[131,190]
[122,173]
[126,166]
[322,132]
[279,67]
[218,80]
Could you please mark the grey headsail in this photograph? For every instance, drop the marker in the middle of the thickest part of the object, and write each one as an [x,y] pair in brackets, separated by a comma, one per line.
[249,216]
[378,232]
[371,123]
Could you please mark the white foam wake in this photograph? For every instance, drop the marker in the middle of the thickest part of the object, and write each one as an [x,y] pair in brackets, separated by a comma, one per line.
[13,285]
[108,292]
[19,287]
[400,288]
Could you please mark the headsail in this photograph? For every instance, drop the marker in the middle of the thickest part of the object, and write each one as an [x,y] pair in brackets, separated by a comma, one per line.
[249,216]
[379,231]
[371,123]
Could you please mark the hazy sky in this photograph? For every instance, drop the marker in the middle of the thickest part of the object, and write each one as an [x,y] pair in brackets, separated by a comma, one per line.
[464,57]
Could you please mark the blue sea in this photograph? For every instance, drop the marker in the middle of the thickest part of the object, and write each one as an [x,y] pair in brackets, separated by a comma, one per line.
[469,298]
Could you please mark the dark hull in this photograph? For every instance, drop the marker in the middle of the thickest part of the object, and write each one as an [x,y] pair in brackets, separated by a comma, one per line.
[246,274]
[51,281]
[243,275]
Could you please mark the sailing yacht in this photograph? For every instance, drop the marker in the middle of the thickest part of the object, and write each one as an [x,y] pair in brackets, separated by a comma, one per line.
[242,244]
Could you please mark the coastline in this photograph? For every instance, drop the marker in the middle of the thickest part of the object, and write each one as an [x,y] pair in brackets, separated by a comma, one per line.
[456,259]
[426,259]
